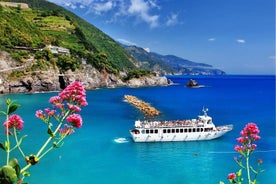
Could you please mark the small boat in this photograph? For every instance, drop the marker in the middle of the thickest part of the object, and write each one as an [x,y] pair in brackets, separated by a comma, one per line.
[199,129]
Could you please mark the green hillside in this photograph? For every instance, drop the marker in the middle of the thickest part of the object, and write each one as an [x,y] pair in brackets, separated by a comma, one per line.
[26,31]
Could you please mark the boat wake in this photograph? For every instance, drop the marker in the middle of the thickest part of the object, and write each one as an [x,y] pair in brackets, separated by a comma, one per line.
[121,140]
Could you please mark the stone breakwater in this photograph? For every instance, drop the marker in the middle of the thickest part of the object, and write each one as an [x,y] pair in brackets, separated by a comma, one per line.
[142,106]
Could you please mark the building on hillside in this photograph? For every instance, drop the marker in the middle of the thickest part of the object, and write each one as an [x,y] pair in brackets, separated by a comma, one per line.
[58,50]
[15,5]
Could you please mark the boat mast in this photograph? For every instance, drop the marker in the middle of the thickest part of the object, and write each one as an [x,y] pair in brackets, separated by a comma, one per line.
[205,111]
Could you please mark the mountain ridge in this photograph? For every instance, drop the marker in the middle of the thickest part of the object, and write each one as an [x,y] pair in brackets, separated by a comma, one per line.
[170,64]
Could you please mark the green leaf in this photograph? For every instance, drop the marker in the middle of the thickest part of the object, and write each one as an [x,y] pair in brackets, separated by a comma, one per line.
[239,173]
[12,108]
[7,145]
[21,139]
[2,112]
[15,165]
[2,146]
[8,101]
[26,174]
[55,145]
[7,175]
[50,132]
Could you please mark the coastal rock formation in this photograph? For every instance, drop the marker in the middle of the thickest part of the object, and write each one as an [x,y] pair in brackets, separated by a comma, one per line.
[148,81]
[53,80]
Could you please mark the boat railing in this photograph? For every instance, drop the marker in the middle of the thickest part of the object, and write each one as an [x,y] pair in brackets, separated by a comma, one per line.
[168,124]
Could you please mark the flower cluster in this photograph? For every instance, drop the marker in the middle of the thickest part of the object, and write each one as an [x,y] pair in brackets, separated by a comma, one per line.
[68,103]
[249,135]
[231,176]
[61,120]
[14,121]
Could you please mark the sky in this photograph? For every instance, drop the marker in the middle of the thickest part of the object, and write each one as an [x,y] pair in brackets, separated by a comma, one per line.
[236,36]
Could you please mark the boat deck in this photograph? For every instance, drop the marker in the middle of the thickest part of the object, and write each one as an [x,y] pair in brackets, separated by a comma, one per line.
[170,124]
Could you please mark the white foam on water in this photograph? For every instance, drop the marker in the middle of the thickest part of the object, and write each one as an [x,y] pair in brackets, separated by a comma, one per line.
[121,140]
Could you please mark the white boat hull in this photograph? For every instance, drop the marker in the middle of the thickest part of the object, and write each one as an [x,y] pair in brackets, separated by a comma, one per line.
[187,136]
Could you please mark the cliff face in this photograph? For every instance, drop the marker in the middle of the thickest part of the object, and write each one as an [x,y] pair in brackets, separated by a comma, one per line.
[52,80]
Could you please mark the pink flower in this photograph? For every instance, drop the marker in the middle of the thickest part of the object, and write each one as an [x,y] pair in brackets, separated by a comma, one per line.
[75,120]
[253,146]
[256,137]
[250,129]
[67,130]
[73,108]
[260,161]
[50,112]
[74,92]
[14,121]
[39,114]
[231,176]
[238,148]
[55,100]
[241,140]
[249,135]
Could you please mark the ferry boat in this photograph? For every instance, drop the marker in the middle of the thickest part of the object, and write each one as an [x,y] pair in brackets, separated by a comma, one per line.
[199,129]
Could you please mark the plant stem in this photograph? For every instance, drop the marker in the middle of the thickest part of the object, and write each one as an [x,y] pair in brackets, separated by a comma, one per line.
[247,167]
[17,143]
[8,139]
[48,150]
[25,168]
[46,143]
[54,133]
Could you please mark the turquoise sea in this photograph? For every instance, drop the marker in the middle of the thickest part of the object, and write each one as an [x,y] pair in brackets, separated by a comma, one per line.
[96,154]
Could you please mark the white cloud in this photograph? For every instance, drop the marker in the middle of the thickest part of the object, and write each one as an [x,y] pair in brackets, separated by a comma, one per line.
[147,49]
[212,39]
[240,40]
[140,8]
[102,7]
[272,58]
[118,9]
[126,42]
[172,20]
[73,4]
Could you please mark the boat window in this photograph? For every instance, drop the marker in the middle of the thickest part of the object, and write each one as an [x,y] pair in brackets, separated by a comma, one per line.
[147,131]
[177,130]
[164,131]
[190,130]
[173,130]
[151,131]
[208,129]
[181,130]
[194,129]
[198,130]
[185,130]
[143,131]
[156,131]
[169,130]
[201,129]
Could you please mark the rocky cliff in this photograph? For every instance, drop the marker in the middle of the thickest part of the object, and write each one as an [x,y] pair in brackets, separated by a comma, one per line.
[54,80]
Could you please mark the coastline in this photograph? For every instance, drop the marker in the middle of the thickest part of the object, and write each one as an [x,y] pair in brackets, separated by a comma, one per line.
[53,82]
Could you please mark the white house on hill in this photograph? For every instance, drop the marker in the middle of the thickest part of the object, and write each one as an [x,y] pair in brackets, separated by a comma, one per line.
[58,50]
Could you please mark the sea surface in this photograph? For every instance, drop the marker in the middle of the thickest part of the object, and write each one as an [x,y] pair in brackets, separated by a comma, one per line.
[101,152]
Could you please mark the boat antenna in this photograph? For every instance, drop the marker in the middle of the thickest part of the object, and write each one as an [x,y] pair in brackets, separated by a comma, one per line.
[205,111]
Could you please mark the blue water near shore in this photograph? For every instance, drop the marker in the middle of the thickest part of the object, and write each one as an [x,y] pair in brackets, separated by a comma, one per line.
[102,152]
